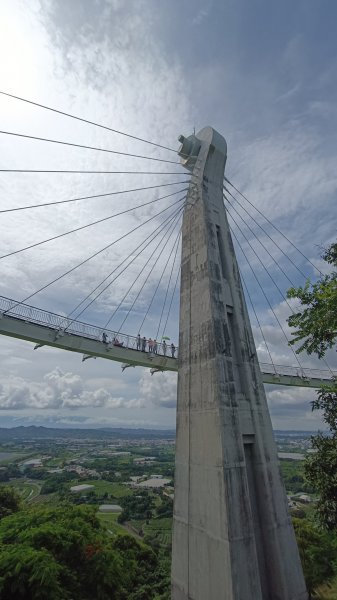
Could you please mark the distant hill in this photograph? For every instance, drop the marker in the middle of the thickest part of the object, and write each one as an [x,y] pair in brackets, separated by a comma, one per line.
[34,432]
[38,432]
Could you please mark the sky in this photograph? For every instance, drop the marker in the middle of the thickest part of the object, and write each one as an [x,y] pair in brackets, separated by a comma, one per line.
[262,73]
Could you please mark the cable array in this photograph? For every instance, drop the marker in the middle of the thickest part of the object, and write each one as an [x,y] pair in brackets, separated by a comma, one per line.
[141,189]
[274,227]
[86,260]
[265,296]
[260,261]
[166,226]
[162,241]
[167,290]
[72,172]
[83,146]
[132,256]
[257,318]
[65,114]
[56,237]
[147,278]
[159,282]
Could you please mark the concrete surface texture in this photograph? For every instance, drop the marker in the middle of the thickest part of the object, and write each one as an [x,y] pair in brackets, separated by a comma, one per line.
[232,534]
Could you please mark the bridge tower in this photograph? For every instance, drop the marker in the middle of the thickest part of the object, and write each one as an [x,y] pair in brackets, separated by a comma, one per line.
[232,534]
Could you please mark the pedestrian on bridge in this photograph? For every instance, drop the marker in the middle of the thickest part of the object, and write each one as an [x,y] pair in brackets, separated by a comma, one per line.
[143,344]
[150,344]
[164,345]
[104,338]
[173,349]
[138,342]
[155,347]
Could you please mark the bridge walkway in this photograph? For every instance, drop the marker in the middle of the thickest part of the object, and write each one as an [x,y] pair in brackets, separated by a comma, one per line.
[45,328]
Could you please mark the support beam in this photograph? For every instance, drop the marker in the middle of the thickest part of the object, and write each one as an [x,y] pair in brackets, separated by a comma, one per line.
[88,347]
[232,534]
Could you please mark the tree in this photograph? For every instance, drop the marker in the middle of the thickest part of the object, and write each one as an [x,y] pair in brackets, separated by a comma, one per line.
[316,324]
[317,551]
[62,553]
[321,467]
[9,501]
[316,329]
[327,591]
[57,553]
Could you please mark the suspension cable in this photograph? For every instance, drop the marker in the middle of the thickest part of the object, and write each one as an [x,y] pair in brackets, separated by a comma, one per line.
[93,172]
[274,226]
[323,359]
[148,275]
[257,319]
[260,261]
[91,256]
[168,224]
[65,114]
[51,141]
[266,297]
[261,243]
[267,234]
[167,289]
[55,237]
[157,287]
[155,233]
[151,187]
[171,301]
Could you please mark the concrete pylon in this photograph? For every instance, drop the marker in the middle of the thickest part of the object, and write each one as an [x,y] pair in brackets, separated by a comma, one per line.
[232,534]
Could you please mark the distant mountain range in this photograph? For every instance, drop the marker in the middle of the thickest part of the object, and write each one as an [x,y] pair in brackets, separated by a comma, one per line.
[39,432]
[32,432]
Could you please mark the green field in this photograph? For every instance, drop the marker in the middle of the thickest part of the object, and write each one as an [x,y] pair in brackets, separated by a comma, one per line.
[116,490]
[27,489]
[7,458]
[109,520]
[160,530]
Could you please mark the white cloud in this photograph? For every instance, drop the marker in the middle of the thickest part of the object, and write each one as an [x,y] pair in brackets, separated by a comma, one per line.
[290,408]
[58,390]
[160,389]
[202,14]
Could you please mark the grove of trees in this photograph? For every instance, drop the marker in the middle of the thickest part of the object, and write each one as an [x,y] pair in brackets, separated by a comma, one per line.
[63,553]
[316,332]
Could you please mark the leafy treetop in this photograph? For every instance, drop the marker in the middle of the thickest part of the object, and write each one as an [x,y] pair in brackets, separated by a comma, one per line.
[316,324]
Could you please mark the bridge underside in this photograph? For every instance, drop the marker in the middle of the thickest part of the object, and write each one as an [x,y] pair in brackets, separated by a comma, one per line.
[44,335]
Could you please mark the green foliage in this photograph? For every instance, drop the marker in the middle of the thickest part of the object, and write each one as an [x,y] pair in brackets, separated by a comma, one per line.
[138,507]
[321,472]
[9,501]
[27,573]
[321,466]
[57,553]
[327,591]
[317,551]
[293,476]
[63,553]
[316,328]
[316,324]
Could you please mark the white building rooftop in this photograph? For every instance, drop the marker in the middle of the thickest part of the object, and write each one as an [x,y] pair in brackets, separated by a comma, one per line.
[81,488]
[110,508]
[153,483]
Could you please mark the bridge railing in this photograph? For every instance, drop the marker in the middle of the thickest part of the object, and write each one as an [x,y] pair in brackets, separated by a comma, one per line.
[304,372]
[62,324]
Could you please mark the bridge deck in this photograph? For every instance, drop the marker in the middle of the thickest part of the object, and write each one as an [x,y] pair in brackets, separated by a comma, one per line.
[49,329]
